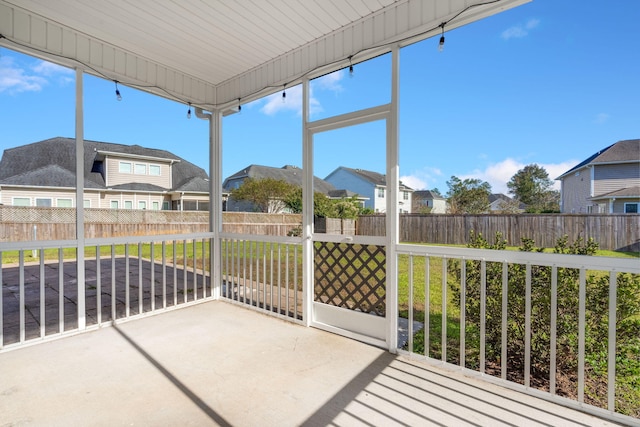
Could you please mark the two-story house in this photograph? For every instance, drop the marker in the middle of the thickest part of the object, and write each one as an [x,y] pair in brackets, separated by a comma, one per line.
[423,201]
[115,176]
[288,173]
[606,182]
[370,185]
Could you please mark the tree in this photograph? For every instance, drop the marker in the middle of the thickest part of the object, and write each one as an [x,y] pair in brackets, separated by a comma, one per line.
[470,196]
[323,206]
[266,194]
[532,186]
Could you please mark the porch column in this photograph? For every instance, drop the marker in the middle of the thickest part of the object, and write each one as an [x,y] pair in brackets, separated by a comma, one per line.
[215,200]
[307,210]
[393,187]
[82,323]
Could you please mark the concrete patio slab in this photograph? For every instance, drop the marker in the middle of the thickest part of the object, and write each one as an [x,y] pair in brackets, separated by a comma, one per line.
[217,363]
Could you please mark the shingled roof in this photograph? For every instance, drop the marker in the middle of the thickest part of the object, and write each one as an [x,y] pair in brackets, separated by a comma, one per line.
[52,163]
[287,173]
[372,177]
[626,151]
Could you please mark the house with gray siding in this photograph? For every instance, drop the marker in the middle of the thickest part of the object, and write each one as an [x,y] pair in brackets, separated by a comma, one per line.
[370,185]
[606,182]
[116,176]
[428,201]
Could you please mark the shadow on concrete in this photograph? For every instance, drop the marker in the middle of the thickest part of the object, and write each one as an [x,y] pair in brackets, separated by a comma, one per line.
[211,413]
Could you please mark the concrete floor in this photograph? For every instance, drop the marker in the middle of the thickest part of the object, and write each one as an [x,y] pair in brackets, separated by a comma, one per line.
[220,364]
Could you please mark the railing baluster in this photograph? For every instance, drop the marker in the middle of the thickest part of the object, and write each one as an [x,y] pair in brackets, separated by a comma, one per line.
[60,290]
[244,272]
[427,305]
[463,311]
[554,329]
[164,274]
[279,263]
[444,309]
[611,364]
[127,310]
[286,281]
[410,302]
[152,291]
[483,314]
[43,297]
[295,281]
[271,276]
[98,286]
[581,332]
[185,270]
[505,302]
[140,283]
[264,274]
[527,328]
[175,273]
[21,297]
[251,281]
[195,271]
[113,284]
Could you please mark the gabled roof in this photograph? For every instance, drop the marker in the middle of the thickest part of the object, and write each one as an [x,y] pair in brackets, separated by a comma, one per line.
[194,185]
[345,194]
[626,151]
[287,173]
[372,177]
[625,193]
[52,163]
[426,194]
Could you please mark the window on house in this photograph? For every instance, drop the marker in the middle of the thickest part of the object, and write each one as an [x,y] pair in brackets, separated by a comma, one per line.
[166,206]
[128,204]
[142,204]
[155,206]
[631,207]
[114,204]
[154,170]
[405,195]
[140,169]
[43,203]
[124,167]
[380,192]
[64,203]
[21,201]
[87,203]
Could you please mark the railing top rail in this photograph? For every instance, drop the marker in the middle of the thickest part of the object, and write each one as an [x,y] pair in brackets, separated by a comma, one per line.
[629,265]
[296,240]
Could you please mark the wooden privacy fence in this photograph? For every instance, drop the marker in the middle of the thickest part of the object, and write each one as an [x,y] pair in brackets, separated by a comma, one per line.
[611,231]
[18,223]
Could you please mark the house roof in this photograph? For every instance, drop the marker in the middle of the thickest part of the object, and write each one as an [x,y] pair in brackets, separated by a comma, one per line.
[51,163]
[626,151]
[287,173]
[426,194]
[374,178]
[625,193]
[342,194]
[212,53]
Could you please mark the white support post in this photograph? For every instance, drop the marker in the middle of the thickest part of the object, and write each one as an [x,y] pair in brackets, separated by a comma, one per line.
[82,322]
[393,187]
[215,201]
[307,210]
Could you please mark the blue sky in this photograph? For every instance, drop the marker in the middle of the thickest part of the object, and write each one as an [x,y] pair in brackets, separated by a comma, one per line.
[550,82]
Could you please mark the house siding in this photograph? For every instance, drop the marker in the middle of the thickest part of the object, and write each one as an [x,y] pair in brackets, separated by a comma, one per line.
[576,189]
[608,178]
[114,177]
[345,180]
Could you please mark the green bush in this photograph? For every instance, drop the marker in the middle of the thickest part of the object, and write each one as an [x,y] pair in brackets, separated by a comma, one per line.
[596,328]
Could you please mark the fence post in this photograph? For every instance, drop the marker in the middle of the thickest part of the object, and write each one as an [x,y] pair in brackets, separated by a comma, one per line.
[34,252]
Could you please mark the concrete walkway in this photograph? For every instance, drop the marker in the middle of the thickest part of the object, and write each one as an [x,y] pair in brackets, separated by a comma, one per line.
[220,364]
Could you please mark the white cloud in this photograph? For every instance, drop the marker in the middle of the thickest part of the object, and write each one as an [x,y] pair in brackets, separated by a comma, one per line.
[520,30]
[293,101]
[15,79]
[498,174]
[601,118]
[423,179]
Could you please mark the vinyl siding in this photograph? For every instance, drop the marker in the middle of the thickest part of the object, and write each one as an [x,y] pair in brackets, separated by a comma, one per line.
[608,178]
[576,189]
[114,177]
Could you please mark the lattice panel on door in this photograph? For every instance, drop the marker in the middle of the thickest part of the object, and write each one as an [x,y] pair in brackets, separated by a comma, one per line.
[351,276]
